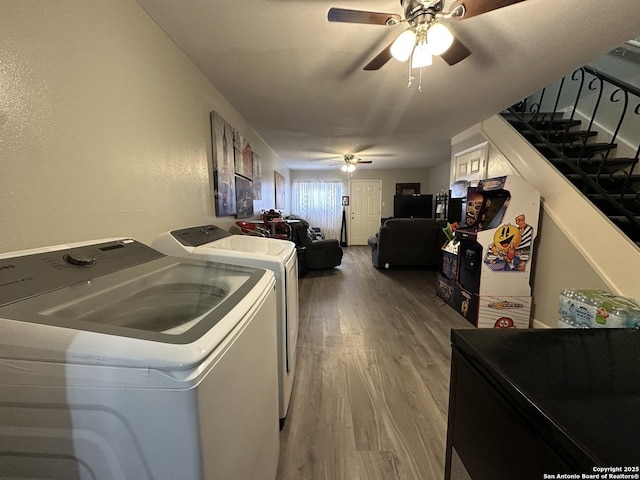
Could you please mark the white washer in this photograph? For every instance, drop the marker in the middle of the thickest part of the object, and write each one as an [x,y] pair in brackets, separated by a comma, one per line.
[120,363]
[210,242]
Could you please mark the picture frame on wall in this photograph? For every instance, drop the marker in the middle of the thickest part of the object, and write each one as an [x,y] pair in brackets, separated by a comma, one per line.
[224,188]
[243,157]
[244,197]
[471,164]
[278,181]
[407,188]
[257,177]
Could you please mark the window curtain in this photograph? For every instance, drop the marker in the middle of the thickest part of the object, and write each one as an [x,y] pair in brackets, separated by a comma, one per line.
[320,204]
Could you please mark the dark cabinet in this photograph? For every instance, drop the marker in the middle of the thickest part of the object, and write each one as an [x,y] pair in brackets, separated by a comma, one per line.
[525,404]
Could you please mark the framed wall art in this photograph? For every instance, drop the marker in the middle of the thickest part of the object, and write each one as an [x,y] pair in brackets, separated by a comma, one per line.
[407,188]
[243,157]
[224,193]
[257,177]
[278,181]
[244,197]
[471,164]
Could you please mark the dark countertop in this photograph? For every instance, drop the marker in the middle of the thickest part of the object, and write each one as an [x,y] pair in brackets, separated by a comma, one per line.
[580,388]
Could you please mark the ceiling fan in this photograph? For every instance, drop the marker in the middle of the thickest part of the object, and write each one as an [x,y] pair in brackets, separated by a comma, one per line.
[350,161]
[425,36]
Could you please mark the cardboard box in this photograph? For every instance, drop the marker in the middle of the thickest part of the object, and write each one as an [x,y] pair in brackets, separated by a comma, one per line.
[496,311]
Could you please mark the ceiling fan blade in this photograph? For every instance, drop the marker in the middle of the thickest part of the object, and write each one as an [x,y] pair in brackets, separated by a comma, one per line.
[365,161]
[383,57]
[360,16]
[473,8]
[456,52]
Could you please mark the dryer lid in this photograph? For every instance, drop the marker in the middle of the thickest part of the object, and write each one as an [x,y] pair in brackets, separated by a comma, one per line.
[270,247]
[199,235]
[203,238]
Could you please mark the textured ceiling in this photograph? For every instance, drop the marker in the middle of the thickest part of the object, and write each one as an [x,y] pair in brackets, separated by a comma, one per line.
[298,79]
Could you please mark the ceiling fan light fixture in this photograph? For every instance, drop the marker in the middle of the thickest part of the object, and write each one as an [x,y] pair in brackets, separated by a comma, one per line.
[439,38]
[402,47]
[457,12]
[421,56]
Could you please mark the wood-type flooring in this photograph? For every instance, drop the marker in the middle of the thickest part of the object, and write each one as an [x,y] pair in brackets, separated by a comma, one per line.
[371,391]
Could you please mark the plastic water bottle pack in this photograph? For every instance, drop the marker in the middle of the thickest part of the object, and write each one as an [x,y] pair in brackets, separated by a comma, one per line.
[597,309]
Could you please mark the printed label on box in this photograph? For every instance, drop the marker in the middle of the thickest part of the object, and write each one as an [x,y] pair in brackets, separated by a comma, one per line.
[504,312]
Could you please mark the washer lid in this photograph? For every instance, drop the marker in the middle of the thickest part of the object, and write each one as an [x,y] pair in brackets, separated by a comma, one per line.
[140,315]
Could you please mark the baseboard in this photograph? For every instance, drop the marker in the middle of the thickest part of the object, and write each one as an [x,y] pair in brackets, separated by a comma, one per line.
[539,324]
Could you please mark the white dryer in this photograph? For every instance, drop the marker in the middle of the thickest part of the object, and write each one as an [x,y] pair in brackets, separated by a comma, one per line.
[119,363]
[210,242]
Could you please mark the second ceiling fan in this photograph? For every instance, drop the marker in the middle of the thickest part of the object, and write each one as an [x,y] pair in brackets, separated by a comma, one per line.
[350,161]
[425,36]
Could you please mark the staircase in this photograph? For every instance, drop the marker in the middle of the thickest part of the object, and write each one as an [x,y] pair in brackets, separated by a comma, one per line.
[577,126]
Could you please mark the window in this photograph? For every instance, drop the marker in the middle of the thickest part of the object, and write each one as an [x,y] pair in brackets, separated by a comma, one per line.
[320,204]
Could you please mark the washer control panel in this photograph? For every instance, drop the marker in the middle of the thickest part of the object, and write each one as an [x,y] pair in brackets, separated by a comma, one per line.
[79,257]
[29,275]
[201,235]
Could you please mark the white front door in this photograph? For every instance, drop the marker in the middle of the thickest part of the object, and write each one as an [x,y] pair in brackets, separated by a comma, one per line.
[364,209]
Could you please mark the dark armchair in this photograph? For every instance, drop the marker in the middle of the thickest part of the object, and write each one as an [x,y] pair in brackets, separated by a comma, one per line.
[315,232]
[316,254]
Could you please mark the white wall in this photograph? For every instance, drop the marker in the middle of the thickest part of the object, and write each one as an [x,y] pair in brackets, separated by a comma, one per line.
[438,178]
[431,180]
[104,127]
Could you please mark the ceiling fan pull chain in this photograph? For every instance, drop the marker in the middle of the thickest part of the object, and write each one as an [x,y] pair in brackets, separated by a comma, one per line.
[420,81]
[410,77]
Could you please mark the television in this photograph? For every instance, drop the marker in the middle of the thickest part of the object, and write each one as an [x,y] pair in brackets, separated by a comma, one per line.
[413,206]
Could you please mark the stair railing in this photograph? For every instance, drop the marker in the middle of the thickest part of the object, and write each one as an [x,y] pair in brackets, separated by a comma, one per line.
[605,155]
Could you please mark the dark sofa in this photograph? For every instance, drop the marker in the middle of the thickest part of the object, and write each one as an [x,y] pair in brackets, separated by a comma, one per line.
[408,242]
